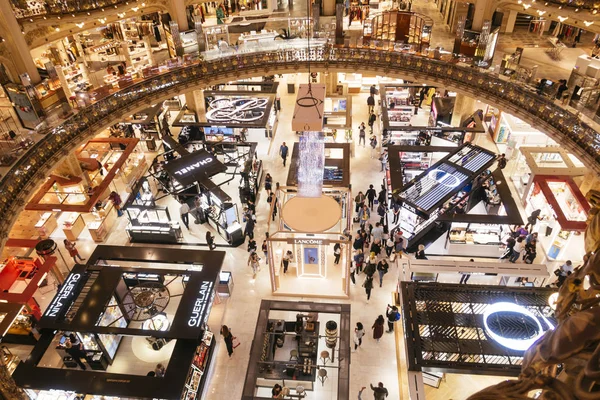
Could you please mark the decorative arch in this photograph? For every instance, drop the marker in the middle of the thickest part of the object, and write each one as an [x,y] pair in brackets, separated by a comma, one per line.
[563,126]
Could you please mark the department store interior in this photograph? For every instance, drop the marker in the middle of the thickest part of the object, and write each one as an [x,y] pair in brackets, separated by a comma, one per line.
[288,199]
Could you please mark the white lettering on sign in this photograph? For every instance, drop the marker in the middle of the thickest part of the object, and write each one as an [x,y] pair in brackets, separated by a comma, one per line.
[194,166]
[200,304]
[410,208]
[308,241]
[65,292]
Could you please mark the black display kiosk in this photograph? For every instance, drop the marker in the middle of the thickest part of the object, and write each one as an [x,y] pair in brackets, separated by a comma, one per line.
[167,299]
[440,189]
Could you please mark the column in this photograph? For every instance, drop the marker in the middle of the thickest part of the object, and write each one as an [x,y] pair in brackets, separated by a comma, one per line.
[16,44]
[464,106]
[194,100]
[510,21]
[328,8]
[178,14]
[484,9]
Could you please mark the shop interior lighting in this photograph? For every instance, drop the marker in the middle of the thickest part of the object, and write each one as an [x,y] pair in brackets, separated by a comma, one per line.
[562,19]
[79,25]
[102,20]
[588,23]
[513,344]
[540,12]
[526,6]
[135,9]
[552,300]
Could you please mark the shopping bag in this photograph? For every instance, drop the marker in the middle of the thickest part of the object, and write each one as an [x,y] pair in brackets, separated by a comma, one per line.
[235,342]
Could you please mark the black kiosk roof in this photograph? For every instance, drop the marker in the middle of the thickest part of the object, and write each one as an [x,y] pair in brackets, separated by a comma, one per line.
[195,167]
[202,271]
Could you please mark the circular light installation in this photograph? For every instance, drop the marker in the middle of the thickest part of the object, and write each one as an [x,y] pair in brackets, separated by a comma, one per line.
[444,178]
[512,343]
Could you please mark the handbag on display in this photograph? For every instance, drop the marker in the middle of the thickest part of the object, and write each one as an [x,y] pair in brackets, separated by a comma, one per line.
[235,342]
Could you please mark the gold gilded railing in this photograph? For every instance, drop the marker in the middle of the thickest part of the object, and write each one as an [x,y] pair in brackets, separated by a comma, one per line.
[562,125]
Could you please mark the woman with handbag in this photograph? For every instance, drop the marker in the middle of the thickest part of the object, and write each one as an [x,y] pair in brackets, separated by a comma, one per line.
[228,338]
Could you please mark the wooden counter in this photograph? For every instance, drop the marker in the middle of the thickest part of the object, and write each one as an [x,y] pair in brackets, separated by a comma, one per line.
[73,230]
[46,225]
[99,229]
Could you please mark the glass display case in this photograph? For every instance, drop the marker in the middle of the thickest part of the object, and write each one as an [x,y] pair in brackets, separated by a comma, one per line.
[408,28]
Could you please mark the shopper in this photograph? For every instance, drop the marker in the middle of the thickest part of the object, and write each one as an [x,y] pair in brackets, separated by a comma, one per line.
[210,240]
[378,328]
[358,242]
[76,353]
[184,210]
[389,247]
[371,104]
[116,200]
[510,244]
[376,247]
[565,270]
[268,184]
[382,268]
[359,259]
[382,195]
[383,158]
[421,97]
[372,119]
[371,266]
[359,332]
[264,249]
[373,144]
[502,161]
[561,89]
[532,219]
[359,201]
[377,232]
[228,338]
[254,263]
[368,285]
[373,90]
[371,193]
[362,134]
[379,392]
[398,245]
[197,211]
[287,257]
[160,371]
[72,249]
[249,229]
[396,211]
[252,246]
[517,249]
[337,252]
[364,215]
[530,252]
[531,237]
[420,255]
[392,315]
[382,212]
[283,152]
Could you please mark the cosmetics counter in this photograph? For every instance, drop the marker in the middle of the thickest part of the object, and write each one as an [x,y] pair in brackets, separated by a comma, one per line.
[441,111]
[440,189]
[336,172]
[97,299]
[149,223]
[146,126]
[404,27]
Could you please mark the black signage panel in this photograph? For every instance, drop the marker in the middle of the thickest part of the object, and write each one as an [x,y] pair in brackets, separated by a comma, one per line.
[194,309]
[195,167]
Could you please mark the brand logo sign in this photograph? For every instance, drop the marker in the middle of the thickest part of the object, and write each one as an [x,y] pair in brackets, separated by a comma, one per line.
[309,241]
[410,208]
[65,293]
[194,166]
[200,305]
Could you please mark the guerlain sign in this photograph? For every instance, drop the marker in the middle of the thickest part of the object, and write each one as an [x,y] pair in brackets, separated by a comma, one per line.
[200,305]
[65,293]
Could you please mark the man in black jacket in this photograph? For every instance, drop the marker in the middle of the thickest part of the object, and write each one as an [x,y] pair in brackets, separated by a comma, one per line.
[371,193]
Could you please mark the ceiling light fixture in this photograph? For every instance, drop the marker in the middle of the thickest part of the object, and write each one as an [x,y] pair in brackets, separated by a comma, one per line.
[102,20]
[57,29]
[540,13]
[80,25]
[135,9]
[562,19]
[526,6]
[588,23]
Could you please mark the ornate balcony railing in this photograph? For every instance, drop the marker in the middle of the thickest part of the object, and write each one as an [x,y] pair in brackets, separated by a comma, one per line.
[562,125]
[40,8]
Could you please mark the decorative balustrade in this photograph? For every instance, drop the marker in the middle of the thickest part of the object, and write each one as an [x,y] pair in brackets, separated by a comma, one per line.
[564,126]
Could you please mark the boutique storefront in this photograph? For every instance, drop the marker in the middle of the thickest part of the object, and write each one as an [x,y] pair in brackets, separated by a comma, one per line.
[302,347]
[150,305]
[563,216]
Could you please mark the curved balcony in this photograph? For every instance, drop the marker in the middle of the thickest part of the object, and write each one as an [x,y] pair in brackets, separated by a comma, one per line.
[563,126]
[50,8]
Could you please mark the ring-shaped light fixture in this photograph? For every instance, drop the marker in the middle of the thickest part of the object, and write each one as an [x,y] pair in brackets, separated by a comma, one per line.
[514,344]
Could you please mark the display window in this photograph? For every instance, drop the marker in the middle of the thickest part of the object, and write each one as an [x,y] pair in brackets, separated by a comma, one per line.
[564,211]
